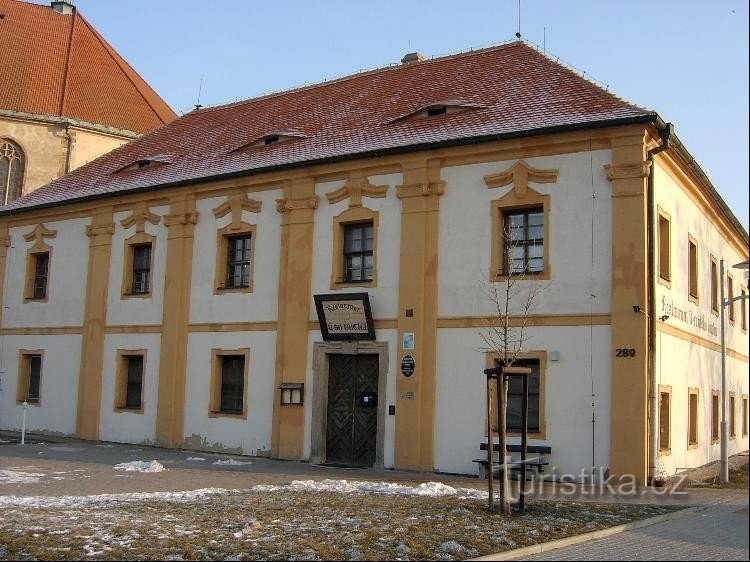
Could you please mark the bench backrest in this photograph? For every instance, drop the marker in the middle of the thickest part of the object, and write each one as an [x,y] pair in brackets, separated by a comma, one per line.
[536,449]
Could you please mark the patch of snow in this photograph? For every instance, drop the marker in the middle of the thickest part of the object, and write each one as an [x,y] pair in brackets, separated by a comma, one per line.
[16,477]
[140,466]
[231,462]
[195,459]
[430,489]
[109,499]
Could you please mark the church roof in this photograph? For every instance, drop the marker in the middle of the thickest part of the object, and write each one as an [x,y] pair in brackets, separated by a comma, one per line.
[56,64]
[500,92]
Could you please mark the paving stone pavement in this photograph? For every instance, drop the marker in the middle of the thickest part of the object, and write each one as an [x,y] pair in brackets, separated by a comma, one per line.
[716,532]
[719,531]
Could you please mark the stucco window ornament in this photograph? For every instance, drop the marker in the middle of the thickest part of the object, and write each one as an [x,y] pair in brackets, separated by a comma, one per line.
[11,171]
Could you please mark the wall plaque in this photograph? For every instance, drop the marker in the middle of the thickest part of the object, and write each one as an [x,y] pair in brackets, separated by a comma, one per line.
[345,317]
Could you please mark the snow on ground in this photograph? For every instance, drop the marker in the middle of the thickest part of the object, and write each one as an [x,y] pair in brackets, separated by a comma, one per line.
[18,477]
[109,499]
[231,462]
[432,489]
[195,459]
[140,466]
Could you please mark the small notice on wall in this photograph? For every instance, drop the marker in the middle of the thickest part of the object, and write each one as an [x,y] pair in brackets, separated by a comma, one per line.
[408,340]
[345,317]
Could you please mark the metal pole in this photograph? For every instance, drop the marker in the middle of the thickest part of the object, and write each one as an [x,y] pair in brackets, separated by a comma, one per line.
[524,440]
[490,467]
[724,437]
[23,422]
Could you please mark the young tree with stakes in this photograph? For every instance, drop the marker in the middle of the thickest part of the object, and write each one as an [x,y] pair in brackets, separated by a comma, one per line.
[505,337]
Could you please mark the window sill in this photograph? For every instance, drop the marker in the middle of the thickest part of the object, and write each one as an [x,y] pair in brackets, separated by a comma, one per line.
[33,299]
[541,276]
[715,441]
[665,282]
[370,284]
[135,295]
[692,446]
[123,410]
[714,312]
[693,299]
[230,290]
[35,403]
[665,452]
[230,415]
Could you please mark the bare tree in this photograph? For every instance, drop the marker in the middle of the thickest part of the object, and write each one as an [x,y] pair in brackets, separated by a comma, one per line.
[505,336]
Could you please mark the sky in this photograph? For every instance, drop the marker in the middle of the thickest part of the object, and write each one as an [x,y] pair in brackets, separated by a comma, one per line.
[686,59]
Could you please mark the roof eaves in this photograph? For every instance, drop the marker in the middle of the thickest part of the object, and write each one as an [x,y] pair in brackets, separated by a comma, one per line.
[570,127]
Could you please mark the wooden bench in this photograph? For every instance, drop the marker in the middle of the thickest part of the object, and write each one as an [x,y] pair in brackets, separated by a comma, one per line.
[535,464]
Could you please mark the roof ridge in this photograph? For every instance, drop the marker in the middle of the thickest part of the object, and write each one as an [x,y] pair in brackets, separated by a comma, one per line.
[391,66]
[581,74]
[64,92]
[126,69]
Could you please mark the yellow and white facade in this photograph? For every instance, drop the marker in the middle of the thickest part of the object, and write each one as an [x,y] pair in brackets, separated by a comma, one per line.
[433,214]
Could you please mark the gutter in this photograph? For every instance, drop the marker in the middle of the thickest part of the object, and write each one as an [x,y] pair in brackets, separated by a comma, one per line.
[69,149]
[666,133]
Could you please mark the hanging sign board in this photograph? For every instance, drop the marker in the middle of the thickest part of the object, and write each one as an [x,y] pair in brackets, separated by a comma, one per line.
[345,317]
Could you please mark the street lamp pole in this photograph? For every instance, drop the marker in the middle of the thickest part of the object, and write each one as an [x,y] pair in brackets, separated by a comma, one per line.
[724,474]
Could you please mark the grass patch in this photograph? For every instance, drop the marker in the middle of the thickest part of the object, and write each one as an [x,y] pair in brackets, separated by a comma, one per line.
[738,479]
[295,525]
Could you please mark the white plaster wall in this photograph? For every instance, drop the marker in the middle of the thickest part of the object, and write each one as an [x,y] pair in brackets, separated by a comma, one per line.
[251,436]
[681,363]
[686,218]
[684,365]
[122,426]
[261,304]
[140,311]
[580,259]
[391,338]
[461,398]
[67,277]
[384,297]
[59,383]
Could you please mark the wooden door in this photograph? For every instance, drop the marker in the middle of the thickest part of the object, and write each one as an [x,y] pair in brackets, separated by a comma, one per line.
[351,435]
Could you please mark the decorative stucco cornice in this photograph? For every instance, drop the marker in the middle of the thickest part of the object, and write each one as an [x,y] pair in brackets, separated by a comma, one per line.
[287,205]
[355,188]
[38,235]
[100,229]
[140,216]
[629,170]
[235,204]
[421,189]
[519,175]
[181,219]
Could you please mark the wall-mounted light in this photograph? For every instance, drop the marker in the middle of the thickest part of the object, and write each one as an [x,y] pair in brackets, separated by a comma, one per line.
[664,318]
[292,393]
[636,308]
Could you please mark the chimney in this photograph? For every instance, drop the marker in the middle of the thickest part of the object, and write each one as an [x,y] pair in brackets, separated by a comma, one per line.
[412,57]
[64,7]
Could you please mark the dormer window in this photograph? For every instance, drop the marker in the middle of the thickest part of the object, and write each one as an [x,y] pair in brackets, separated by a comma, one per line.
[447,107]
[146,163]
[275,137]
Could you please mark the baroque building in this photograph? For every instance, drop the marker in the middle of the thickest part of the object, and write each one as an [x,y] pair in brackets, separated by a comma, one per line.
[171,292]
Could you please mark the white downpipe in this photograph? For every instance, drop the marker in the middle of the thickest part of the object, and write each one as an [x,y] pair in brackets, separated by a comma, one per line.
[23,422]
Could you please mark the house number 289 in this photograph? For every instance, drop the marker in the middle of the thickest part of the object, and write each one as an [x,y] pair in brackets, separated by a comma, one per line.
[625,352]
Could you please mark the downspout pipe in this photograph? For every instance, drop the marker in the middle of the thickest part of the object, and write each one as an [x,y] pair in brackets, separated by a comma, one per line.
[69,151]
[665,133]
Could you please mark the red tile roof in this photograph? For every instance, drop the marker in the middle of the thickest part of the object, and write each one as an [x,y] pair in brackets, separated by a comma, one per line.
[512,89]
[58,65]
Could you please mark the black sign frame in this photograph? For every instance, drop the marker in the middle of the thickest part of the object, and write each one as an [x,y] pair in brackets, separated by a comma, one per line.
[320,300]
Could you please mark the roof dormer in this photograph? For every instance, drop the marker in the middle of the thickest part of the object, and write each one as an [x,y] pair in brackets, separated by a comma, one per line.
[274,137]
[148,162]
[437,109]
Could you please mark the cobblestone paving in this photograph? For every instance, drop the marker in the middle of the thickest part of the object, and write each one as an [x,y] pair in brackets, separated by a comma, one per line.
[718,532]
